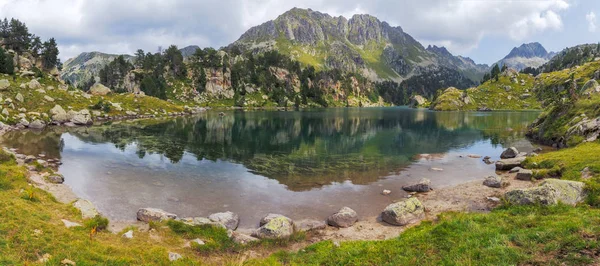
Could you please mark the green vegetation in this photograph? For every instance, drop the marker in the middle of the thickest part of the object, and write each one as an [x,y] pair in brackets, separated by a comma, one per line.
[506,236]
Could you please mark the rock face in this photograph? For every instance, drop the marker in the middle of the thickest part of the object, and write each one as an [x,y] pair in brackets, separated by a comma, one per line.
[527,55]
[551,191]
[99,89]
[403,212]
[507,164]
[82,117]
[154,215]
[511,152]
[276,227]
[345,217]
[423,186]
[493,181]
[218,83]
[229,219]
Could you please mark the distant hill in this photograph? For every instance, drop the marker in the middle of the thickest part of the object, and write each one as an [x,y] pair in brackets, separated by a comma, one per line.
[572,56]
[527,55]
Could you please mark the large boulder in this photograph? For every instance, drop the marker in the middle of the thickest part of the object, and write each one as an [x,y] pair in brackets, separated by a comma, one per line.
[309,225]
[507,164]
[83,117]
[524,174]
[276,227]
[345,217]
[34,84]
[202,221]
[493,181]
[99,90]
[58,114]
[590,87]
[154,215]
[229,219]
[551,191]
[88,210]
[4,84]
[424,185]
[511,152]
[403,212]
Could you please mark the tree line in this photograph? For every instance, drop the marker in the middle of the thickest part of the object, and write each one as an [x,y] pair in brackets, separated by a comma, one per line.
[15,36]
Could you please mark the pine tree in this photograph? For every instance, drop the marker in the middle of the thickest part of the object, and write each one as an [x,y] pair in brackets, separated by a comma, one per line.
[174,60]
[36,45]
[19,37]
[139,58]
[49,54]
[6,62]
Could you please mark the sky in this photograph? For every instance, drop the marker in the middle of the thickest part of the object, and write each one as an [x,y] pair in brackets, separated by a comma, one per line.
[485,30]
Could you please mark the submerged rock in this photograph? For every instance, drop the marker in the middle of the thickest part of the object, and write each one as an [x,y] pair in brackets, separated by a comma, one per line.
[551,191]
[403,212]
[275,228]
[424,185]
[155,215]
[229,219]
[345,217]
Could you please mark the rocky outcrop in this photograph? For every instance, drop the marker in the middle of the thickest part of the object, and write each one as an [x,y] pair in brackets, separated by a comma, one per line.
[291,81]
[551,191]
[275,227]
[229,219]
[154,215]
[404,212]
[418,101]
[345,217]
[99,90]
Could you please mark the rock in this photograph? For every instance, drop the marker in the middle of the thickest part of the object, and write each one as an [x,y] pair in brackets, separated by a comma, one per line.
[23,122]
[276,228]
[586,173]
[386,192]
[270,217]
[424,185]
[82,117]
[511,152]
[309,225]
[417,101]
[34,84]
[45,258]
[70,224]
[525,175]
[48,98]
[27,74]
[474,156]
[67,262]
[4,84]
[345,217]
[87,209]
[19,97]
[37,124]
[56,179]
[590,87]
[242,239]
[403,212]
[58,114]
[99,90]
[155,215]
[493,199]
[493,182]
[484,109]
[128,234]
[488,160]
[202,221]
[549,192]
[174,256]
[515,170]
[507,164]
[229,219]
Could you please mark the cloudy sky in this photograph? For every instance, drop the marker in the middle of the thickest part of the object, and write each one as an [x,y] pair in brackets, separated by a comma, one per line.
[484,30]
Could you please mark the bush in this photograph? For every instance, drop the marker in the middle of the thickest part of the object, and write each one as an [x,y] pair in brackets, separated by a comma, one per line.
[101,105]
[98,222]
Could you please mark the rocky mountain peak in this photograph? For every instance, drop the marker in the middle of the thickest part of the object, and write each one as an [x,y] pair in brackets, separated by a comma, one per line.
[528,50]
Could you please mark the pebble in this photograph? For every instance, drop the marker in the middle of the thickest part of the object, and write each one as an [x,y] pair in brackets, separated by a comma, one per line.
[493,199]
[386,192]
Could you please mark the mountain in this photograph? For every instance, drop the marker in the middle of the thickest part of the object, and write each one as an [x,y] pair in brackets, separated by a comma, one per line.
[572,56]
[189,50]
[84,66]
[527,55]
[361,44]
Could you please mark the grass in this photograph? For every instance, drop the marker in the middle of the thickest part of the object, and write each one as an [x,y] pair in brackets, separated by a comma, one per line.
[507,236]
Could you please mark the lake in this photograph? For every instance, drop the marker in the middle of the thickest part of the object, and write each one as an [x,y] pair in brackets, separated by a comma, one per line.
[304,164]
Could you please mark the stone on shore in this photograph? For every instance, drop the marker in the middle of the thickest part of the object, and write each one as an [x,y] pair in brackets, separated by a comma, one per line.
[424,185]
[202,221]
[154,215]
[82,117]
[515,170]
[56,179]
[345,217]
[308,225]
[87,209]
[276,228]
[493,181]
[242,239]
[511,152]
[525,175]
[37,124]
[58,114]
[69,224]
[507,164]
[128,234]
[551,191]
[403,212]
[229,219]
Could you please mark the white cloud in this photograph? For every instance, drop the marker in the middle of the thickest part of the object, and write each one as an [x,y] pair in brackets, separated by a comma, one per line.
[119,26]
[591,19]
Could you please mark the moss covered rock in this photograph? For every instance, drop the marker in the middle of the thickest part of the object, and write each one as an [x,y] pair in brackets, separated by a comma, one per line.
[403,212]
[276,228]
[551,191]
